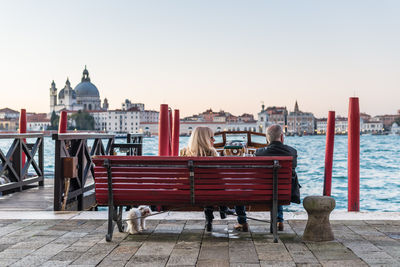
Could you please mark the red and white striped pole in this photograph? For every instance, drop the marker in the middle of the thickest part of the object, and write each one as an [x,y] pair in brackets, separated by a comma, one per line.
[163,131]
[330,140]
[175,133]
[62,125]
[353,160]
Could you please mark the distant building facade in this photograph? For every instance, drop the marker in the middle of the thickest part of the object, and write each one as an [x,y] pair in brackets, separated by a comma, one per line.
[117,121]
[37,121]
[299,122]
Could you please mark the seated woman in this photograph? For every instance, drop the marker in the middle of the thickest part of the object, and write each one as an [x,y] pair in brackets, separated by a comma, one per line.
[201,144]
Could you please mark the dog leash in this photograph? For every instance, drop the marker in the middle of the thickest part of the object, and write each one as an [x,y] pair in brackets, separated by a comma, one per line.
[177,209]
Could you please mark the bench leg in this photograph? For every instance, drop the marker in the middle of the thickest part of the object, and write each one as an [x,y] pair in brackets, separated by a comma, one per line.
[119,219]
[274,221]
[110,223]
[275,201]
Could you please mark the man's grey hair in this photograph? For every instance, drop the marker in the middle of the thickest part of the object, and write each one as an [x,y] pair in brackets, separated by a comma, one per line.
[274,133]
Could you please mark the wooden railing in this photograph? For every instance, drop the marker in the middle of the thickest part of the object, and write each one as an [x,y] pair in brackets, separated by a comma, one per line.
[15,163]
[80,195]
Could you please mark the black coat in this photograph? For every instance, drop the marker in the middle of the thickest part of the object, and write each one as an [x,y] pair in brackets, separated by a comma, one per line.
[277,148]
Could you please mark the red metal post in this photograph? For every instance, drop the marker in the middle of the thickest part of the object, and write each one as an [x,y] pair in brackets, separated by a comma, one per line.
[22,129]
[62,126]
[175,133]
[170,125]
[353,160]
[330,139]
[163,131]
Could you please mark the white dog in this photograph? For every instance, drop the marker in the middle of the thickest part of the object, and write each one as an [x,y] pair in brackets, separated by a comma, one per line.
[136,219]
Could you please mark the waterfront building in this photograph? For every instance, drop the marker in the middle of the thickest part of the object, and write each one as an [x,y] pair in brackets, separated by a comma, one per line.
[37,121]
[145,115]
[395,128]
[387,120]
[85,96]
[9,125]
[299,122]
[371,125]
[262,121]
[186,127]
[9,114]
[117,121]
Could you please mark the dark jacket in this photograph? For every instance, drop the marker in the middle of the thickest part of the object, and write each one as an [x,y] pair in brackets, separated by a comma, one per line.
[277,148]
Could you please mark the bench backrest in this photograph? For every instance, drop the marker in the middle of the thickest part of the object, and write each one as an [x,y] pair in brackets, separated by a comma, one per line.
[192,180]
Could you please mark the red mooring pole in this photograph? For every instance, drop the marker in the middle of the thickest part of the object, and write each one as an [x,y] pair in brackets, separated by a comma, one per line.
[170,125]
[175,134]
[330,140]
[22,129]
[62,125]
[353,160]
[163,131]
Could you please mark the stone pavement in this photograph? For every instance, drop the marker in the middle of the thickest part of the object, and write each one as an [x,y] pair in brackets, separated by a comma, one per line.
[81,242]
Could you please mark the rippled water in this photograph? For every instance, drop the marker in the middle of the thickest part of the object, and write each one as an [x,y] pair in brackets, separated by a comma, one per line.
[379,168]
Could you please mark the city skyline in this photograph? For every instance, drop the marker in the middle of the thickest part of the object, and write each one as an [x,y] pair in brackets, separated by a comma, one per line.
[194,56]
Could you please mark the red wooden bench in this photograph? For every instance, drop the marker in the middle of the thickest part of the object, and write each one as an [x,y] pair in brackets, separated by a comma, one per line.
[191,181]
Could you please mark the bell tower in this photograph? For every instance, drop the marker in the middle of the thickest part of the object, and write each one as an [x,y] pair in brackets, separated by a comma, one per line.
[53,96]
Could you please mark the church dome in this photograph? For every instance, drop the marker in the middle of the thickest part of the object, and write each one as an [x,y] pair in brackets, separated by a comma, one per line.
[85,88]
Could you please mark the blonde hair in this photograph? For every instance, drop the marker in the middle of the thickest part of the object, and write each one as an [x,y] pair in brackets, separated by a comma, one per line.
[200,144]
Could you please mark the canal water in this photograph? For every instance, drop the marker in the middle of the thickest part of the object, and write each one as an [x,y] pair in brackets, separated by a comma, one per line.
[379,168]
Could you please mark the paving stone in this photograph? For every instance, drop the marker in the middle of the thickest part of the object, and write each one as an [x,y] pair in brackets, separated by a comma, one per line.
[55,263]
[242,252]
[376,257]
[169,228]
[214,251]
[29,245]
[187,245]
[76,249]
[50,249]
[274,255]
[327,255]
[277,263]
[183,256]
[156,248]
[31,260]
[363,246]
[305,257]
[17,253]
[113,263]
[308,265]
[244,265]
[344,263]
[7,262]
[122,252]
[147,261]
[212,263]
[296,247]
[66,256]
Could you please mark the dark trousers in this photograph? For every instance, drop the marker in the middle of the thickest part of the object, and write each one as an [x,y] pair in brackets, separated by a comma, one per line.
[208,211]
[241,213]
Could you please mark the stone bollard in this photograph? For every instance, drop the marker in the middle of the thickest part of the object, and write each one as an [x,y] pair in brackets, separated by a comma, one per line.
[318,209]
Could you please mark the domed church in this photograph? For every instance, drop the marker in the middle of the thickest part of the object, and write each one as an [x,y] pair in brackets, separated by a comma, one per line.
[85,96]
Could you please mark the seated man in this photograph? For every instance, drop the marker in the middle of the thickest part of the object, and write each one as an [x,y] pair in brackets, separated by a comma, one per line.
[276,147]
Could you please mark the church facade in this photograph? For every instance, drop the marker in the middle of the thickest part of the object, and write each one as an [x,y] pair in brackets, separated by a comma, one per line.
[85,96]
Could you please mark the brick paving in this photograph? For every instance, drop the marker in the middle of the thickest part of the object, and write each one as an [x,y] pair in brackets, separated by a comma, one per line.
[185,243]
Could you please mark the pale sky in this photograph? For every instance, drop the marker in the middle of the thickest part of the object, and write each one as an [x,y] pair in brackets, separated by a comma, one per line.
[195,55]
